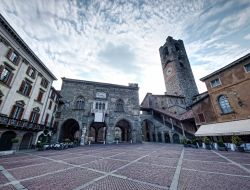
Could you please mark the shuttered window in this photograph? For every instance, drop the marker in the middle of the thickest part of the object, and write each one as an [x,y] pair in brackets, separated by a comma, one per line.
[25,88]
[13,56]
[6,75]
[16,112]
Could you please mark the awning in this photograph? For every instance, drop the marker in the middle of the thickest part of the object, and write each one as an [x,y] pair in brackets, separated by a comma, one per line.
[240,127]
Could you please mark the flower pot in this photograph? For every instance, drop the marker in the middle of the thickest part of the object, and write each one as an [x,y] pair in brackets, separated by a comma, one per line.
[194,146]
[222,148]
[240,149]
[208,147]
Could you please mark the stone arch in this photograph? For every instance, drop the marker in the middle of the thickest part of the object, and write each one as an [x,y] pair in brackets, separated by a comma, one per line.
[159,135]
[166,137]
[176,138]
[26,141]
[147,126]
[69,129]
[126,129]
[5,140]
[98,130]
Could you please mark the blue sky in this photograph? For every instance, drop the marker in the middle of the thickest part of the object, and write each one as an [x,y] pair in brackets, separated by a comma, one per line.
[117,41]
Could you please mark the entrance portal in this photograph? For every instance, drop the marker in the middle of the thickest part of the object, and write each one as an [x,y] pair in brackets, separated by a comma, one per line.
[167,138]
[26,141]
[125,130]
[69,130]
[5,140]
[146,126]
[98,132]
[176,138]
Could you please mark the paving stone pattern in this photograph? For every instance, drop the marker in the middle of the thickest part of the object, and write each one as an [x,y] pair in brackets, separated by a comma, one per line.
[146,166]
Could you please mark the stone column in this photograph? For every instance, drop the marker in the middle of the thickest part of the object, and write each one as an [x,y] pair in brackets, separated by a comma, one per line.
[162,137]
[110,134]
[183,132]
[84,129]
[171,136]
[172,124]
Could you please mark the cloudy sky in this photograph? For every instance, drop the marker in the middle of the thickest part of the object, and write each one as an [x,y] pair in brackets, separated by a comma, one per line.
[117,41]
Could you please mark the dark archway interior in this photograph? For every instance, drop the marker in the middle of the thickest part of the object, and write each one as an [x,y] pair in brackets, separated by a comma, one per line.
[125,130]
[69,129]
[146,125]
[167,138]
[98,132]
[176,138]
[26,141]
[5,140]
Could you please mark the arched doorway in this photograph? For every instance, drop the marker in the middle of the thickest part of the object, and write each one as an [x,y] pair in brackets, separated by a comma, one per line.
[159,137]
[146,126]
[5,140]
[98,132]
[125,127]
[176,138]
[167,138]
[26,141]
[69,129]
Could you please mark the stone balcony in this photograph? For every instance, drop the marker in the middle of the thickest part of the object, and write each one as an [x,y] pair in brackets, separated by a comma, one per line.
[22,124]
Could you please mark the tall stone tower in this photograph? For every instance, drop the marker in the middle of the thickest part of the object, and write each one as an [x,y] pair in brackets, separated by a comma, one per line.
[178,75]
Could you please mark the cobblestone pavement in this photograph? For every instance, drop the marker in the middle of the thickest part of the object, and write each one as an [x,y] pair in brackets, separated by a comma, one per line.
[144,166]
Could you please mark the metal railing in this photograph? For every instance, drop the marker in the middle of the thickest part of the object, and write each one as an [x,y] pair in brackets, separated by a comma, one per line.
[21,124]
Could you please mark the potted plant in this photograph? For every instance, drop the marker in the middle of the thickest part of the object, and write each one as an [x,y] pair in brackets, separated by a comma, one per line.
[14,141]
[221,146]
[237,141]
[207,143]
[184,142]
[40,145]
[194,143]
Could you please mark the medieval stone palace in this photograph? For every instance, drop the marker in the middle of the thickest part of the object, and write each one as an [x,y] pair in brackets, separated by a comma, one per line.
[100,112]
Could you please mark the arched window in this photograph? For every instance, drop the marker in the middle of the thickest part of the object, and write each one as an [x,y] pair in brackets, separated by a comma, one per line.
[80,104]
[224,104]
[120,105]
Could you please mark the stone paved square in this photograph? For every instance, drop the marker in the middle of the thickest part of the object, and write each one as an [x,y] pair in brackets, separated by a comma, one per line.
[147,166]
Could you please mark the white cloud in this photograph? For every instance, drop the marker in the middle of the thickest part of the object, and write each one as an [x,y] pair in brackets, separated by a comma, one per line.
[70,36]
[247,37]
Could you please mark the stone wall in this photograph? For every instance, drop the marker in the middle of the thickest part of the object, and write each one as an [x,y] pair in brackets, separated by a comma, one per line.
[87,90]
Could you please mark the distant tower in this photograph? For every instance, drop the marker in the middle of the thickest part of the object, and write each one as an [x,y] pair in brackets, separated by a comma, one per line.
[178,75]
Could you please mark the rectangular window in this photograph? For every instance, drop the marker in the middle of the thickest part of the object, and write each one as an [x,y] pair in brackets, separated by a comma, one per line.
[31,72]
[25,88]
[201,117]
[34,117]
[247,67]
[46,119]
[215,82]
[16,112]
[13,56]
[44,83]
[5,74]
[52,95]
[55,108]
[40,96]
[50,104]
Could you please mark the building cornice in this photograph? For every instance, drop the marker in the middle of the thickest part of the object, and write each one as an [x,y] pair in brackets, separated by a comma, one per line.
[4,23]
[238,61]
[99,83]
